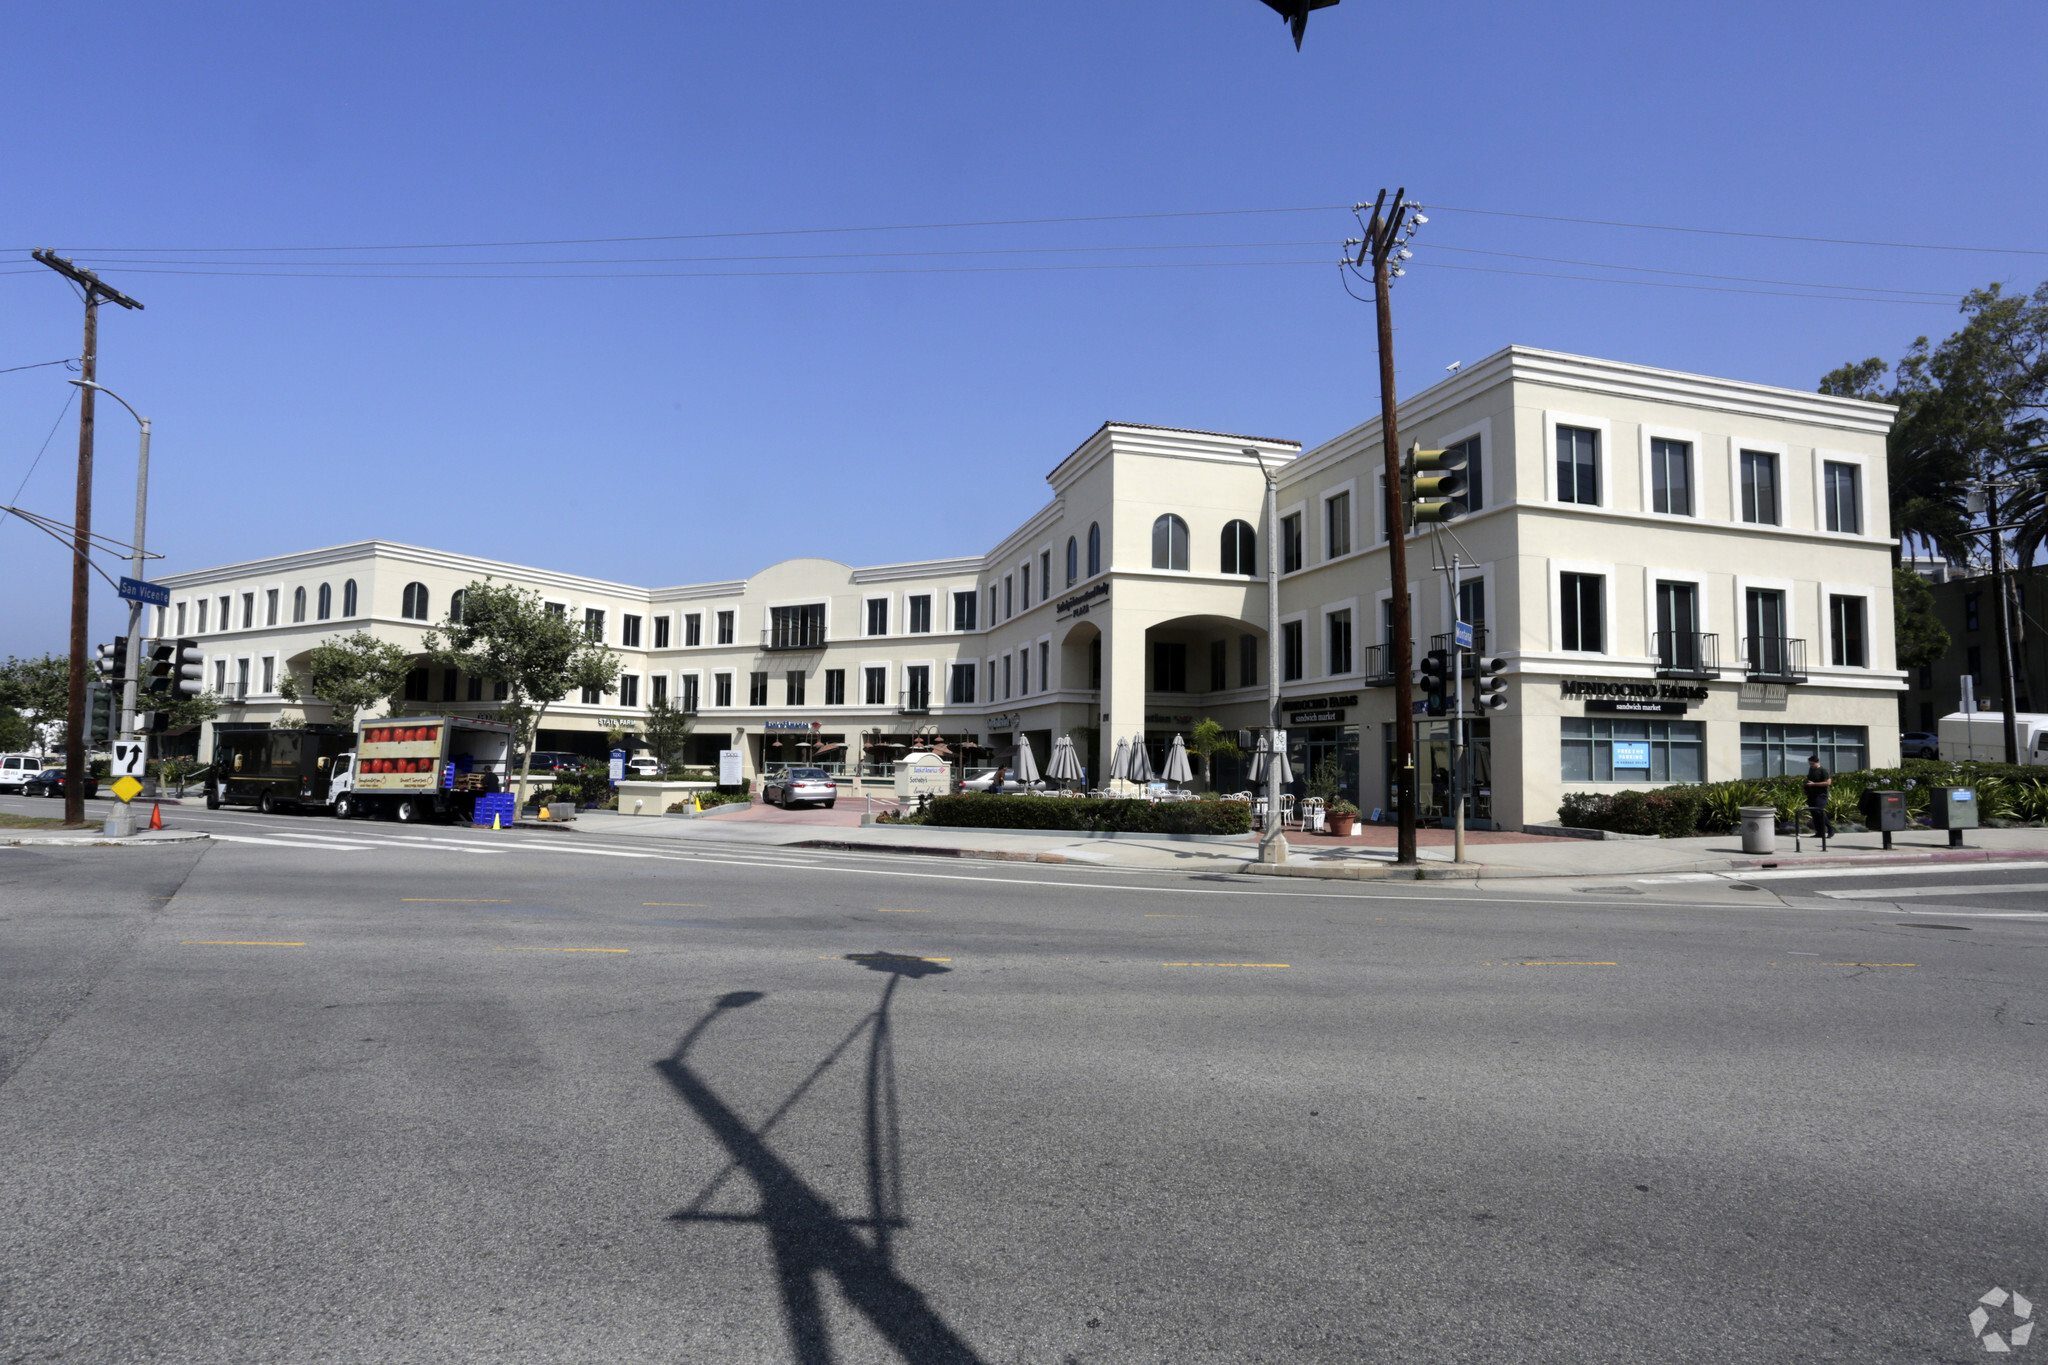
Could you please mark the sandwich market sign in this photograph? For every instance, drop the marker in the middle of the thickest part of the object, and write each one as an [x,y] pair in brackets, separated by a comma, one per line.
[1652,698]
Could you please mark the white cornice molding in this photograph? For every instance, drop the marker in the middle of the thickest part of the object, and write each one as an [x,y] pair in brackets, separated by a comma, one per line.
[1183,443]
[924,568]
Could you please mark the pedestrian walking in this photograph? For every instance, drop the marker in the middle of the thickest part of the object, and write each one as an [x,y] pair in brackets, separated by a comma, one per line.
[1818,784]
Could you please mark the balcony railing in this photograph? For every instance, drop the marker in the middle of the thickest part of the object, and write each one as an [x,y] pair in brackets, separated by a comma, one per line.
[914,701]
[1773,658]
[1443,642]
[1688,654]
[794,635]
[1377,663]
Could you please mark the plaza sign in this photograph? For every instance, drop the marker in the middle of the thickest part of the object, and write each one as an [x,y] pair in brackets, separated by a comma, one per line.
[1080,603]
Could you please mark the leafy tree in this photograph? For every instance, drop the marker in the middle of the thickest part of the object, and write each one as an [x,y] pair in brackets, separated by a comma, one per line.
[40,688]
[1211,741]
[1921,637]
[665,729]
[351,673]
[184,712]
[508,634]
[15,733]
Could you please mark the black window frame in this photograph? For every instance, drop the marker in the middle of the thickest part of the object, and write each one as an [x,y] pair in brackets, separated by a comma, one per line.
[1581,600]
[629,632]
[960,683]
[1337,525]
[966,608]
[1240,549]
[1754,491]
[1290,543]
[1578,465]
[1338,635]
[1292,652]
[874,682]
[1844,511]
[1666,455]
[1848,630]
[917,611]
[875,617]
[757,688]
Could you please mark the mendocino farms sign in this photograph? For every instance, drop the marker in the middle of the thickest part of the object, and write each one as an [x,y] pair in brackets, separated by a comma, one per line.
[1607,694]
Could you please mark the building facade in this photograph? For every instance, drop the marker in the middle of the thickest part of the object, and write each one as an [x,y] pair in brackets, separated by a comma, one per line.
[1688,579]
[1966,604]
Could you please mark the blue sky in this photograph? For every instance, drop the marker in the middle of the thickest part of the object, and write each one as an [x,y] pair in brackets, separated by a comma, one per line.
[701,425]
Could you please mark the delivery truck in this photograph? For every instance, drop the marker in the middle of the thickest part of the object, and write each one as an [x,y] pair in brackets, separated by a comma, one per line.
[278,769]
[1980,735]
[423,768]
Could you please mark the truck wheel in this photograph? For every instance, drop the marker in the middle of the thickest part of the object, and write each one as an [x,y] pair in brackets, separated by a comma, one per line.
[344,807]
[408,812]
[265,806]
[212,797]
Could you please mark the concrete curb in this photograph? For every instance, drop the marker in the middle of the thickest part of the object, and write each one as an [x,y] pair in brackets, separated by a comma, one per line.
[1366,872]
[1881,859]
[90,840]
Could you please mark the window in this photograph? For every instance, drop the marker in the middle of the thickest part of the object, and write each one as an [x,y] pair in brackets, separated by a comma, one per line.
[450,684]
[348,598]
[797,627]
[920,609]
[1095,664]
[555,608]
[629,631]
[220,677]
[1024,672]
[993,617]
[298,605]
[1073,561]
[202,615]
[629,689]
[793,687]
[721,689]
[1760,487]
[593,623]
[960,686]
[693,630]
[835,687]
[1337,526]
[1290,651]
[964,604]
[1024,574]
[757,689]
[1009,596]
[661,631]
[415,683]
[591,696]
[1240,548]
[1044,574]
[1219,665]
[269,673]
[1764,613]
[1007,678]
[689,683]
[1971,621]
[1578,465]
[1782,750]
[413,602]
[1845,632]
[270,610]
[1169,666]
[1094,548]
[180,628]
[725,627]
[657,689]
[1597,749]
[1247,661]
[501,691]
[457,603]
[1044,665]
[917,687]
[1472,603]
[1579,597]
[1678,623]
[878,616]
[1339,657]
[326,602]
[1671,477]
[1843,497]
[874,686]
[1290,543]
[1169,543]
[1474,486]
[476,689]
[248,610]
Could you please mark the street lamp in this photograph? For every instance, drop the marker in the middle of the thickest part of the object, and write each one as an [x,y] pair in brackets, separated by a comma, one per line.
[122,821]
[1272,843]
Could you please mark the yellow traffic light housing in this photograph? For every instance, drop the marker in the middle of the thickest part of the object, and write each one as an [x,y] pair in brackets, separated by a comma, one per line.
[1431,482]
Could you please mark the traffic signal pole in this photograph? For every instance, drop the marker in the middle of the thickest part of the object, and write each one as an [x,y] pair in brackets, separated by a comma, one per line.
[1457,724]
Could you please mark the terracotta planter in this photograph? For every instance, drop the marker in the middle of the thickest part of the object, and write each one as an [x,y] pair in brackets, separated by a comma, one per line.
[1340,824]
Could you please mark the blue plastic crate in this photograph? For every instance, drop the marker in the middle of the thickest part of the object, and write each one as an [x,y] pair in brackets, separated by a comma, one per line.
[499,804]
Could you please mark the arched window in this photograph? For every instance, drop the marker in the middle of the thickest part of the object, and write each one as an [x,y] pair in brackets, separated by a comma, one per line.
[298,605]
[1240,548]
[348,598]
[455,601]
[1169,543]
[413,606]
[1073,561]
[1094,548]
[326,601]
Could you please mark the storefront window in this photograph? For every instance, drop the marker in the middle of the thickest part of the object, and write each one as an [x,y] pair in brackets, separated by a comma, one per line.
[1599,749]
[1775,750]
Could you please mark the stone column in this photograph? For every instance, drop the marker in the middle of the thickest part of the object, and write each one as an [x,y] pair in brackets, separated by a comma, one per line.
[1123,678]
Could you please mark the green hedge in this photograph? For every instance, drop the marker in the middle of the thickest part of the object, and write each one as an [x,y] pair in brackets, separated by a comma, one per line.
[975,810]
[2006,794]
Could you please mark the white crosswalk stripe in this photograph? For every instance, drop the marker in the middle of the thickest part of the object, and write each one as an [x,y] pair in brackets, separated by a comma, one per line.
[1942,869]
[1889,893]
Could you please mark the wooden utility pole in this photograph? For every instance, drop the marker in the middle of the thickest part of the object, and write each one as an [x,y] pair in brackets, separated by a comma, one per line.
[77,730]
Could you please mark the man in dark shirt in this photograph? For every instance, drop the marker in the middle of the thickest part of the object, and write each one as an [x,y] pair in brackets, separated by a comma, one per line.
[1818,784]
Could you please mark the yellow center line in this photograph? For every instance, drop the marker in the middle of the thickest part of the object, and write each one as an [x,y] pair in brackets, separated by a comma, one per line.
[1869,964]
[561,950]
[236,943]
[882,957]
[676,905]
[1567,964]
[1226,964]
[450,900]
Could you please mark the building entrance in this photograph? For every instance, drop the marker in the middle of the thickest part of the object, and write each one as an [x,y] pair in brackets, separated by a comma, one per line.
[1433,772]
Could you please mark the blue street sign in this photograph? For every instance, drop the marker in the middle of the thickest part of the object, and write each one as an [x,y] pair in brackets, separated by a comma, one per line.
[149,594]
[1462,634]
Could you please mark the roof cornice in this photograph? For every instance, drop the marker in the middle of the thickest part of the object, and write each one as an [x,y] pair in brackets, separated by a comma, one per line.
[398,552]
[1185,443]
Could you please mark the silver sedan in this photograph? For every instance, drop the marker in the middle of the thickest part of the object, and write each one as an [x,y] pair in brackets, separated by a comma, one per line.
[801,786]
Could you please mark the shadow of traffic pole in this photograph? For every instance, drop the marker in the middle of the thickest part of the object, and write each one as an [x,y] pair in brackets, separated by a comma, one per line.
[806,1235]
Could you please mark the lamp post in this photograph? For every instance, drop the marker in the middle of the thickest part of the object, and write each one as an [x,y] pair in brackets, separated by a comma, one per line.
[122,821]
[1272,842]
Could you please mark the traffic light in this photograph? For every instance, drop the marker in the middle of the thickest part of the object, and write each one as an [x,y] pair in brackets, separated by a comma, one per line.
[101,701]
[1431,482]
[1436,681]
[1489,688]
[113,659]
[176,668]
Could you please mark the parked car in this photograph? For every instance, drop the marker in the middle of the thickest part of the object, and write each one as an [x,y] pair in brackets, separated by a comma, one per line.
[643,767]
[551,761]
[987,782]
[1919,744]
[801,786]
[50,782]
[16,769]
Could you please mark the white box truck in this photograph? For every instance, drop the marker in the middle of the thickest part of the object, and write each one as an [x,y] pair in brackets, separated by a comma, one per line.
[422,768]
[1980,735]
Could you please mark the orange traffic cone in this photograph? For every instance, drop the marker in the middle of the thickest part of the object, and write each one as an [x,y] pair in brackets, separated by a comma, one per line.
[156,816]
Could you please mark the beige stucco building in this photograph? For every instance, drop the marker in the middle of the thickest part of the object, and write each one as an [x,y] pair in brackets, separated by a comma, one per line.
[1687,577]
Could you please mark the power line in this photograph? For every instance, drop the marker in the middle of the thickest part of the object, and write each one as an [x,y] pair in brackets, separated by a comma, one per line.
[702,274]
[1763,236]
[40,364]
[1675,284]
[69,394]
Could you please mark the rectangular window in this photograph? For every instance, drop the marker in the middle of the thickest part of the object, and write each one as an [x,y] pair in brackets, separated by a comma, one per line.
[556,608]
[657,689]
[476,689]
[1782,750]
[1581,616]
[793,687]
[629,689]
[501,691]
[1219,665]
[1009,596]
[835,687]
[874,686]
[920,609]
[220,677]
[693,630]
[964,604]
[270,610]
[180,630]
[1095,664]
[1337,525]
[1844,498]
[1044,574]
[1024,574]
[593,623]
[1340,641]
[415,682]
[878,616]
[725,627]
[661,631]
[270,673]
[1678,624]
[248,610]
[1845,632]
[1578,465]
[1290,543]
[992,617]
[757,689]
[689,682]
[1024,672]
[1764,642]
[1044,665]
[800,627]
[1597,749]
[202,615]
[721,689]
[1006,677]
[1247,661]
[1290,651]
[1671,477]
[917,687]
[960,687]
[1169,666]
[629,632]
[1475,486]
[449,684]
[1472,603]
[1760,487]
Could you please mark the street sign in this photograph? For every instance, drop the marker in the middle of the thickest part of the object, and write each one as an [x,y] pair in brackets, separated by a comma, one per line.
[618,766]
[128,757]
[1462,633]
[149,594]
[127,788]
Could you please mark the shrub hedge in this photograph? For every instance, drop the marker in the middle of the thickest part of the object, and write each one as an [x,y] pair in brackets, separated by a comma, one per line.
[977,810]
[2006,794]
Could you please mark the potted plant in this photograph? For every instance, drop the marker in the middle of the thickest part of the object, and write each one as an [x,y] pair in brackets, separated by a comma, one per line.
[1343,815]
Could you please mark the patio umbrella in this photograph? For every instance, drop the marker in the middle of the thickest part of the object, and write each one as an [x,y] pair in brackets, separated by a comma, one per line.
[1141,762]
[1027,762]
[1065,763]
[1120,766]
[1177,762]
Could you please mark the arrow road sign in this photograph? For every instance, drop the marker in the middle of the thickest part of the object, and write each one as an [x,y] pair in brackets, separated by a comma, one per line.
[128,757]
[149,594]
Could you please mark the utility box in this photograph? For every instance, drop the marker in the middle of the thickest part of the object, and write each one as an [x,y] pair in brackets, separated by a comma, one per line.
[1884,811]
[1952,808]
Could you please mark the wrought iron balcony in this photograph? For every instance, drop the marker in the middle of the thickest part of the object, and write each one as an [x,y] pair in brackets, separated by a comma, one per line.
[1773,658]
[914,701]
[1377,663]
[784,635]
[1688,654]
[1444,642]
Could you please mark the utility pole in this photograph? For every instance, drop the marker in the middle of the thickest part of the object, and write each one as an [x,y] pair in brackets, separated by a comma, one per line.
[1273,842]
[75,731]
[2007,701]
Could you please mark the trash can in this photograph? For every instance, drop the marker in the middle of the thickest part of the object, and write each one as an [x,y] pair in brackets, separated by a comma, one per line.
[1759,829]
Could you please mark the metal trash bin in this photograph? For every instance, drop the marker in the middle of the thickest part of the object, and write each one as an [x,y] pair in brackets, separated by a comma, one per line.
[1759,829]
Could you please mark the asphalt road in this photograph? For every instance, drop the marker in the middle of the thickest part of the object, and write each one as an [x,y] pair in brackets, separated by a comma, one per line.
[371,1093]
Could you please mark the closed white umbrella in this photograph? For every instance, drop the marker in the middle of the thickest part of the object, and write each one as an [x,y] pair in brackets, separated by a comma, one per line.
[1177,769]
[1280,757]
[1120,766]
[1141,761]
[1027,762]
[1065,763]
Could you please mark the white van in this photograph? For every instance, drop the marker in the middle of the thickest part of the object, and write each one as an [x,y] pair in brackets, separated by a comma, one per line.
[16,769]
[1980,735]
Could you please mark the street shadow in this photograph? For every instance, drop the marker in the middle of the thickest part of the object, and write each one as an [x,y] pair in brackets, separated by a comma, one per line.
[808,1238]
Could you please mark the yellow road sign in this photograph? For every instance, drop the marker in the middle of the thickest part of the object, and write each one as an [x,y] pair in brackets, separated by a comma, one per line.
[127,788]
